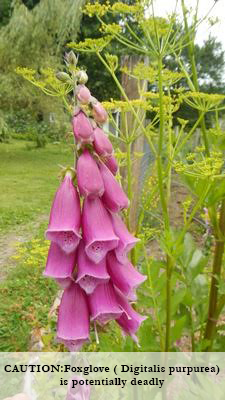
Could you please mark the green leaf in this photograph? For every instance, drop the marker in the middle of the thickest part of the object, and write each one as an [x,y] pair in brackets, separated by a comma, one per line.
[177,329]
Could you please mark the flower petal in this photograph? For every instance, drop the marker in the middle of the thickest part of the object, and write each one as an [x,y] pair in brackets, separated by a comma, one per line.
[124,276]
[103,304]
[99,113]
[88,176]
[130,320]
[114,197]
[112,164]
[65,217]
[82,128]
[83,94]
[59,264]
[73,319]
[126,242]
[90,275]
[102,144]
[97,229]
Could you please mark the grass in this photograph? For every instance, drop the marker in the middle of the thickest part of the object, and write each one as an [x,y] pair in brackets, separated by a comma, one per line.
[28,180]
[25,296]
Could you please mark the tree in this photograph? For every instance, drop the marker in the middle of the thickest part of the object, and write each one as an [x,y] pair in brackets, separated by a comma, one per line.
[34,38]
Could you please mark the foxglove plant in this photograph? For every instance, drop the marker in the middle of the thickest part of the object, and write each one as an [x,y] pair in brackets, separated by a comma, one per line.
[88,255]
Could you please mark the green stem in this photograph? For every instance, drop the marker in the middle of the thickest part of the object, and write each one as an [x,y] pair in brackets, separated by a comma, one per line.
[164,203]
[168,302]
[160,148]
[191,51]
[216,274]
[120,87]
[156,308]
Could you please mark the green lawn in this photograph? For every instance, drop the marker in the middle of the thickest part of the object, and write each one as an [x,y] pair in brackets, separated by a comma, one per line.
[28,180]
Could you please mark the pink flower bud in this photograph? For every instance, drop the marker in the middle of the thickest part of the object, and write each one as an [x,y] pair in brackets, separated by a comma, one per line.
[89,178]
[102,144]
[99,113]
[83,94]
[111,163]
[113,197]
[82,128]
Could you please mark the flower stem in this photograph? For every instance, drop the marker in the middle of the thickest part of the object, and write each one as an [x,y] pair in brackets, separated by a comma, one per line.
[163,201]
[168,302]
[216,273]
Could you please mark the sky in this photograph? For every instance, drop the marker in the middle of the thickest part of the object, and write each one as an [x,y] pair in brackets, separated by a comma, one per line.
[162,7]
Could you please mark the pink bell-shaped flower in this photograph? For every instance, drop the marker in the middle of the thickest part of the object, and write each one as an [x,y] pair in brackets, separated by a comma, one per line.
[124,276]
[103,304]
[89,178]
[114,197]
[73,319]
[126,240]
[59,264]
[98,233]
[99,113]
[112,164]
[102,144]
[89,274]
[83,94]
[65,216]
[130,320]
[82,128]
[79,392]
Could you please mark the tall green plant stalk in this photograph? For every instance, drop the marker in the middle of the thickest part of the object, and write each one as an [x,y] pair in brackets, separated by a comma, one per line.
[219,225]
[194,71]
[216,274]
[163,200]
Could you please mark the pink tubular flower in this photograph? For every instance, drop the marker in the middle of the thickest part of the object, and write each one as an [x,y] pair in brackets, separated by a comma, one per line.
[130,320]
[112,165]
[126,240]
[79,392]
[124,276]
[102,144]
[114,197]
[83,94]
[89,274]
[98,233]
[59,264]
[82,128]
[65,216]
[103,304]
[88,176]
[73,319]
[99,113]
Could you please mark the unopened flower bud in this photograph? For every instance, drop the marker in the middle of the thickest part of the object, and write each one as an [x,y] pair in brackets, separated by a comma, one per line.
[63,77]
[99,113]
[71,58]
[83,94]
[82,77]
